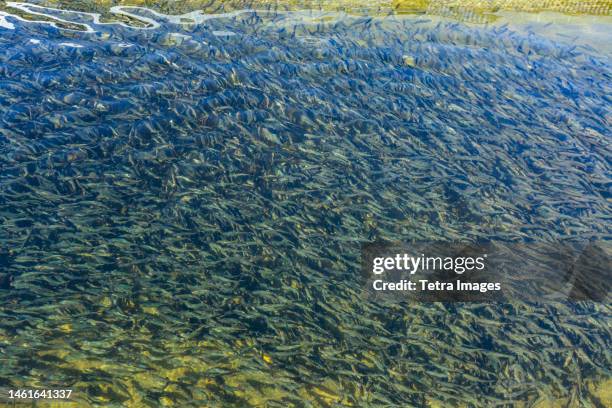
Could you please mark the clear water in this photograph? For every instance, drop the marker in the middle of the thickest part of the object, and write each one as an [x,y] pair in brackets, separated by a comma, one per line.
[182,208]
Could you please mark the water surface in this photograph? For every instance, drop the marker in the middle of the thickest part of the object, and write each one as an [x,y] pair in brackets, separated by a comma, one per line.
[182,206]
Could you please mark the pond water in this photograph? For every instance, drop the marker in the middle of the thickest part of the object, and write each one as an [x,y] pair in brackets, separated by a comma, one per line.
[183,200]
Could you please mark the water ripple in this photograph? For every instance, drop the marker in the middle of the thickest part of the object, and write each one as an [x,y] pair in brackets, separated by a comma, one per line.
[182,209]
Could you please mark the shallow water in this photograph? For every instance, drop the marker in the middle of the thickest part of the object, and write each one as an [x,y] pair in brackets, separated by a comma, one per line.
[182,207]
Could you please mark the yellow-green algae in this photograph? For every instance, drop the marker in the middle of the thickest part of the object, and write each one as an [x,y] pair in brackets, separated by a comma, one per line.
[249,377]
